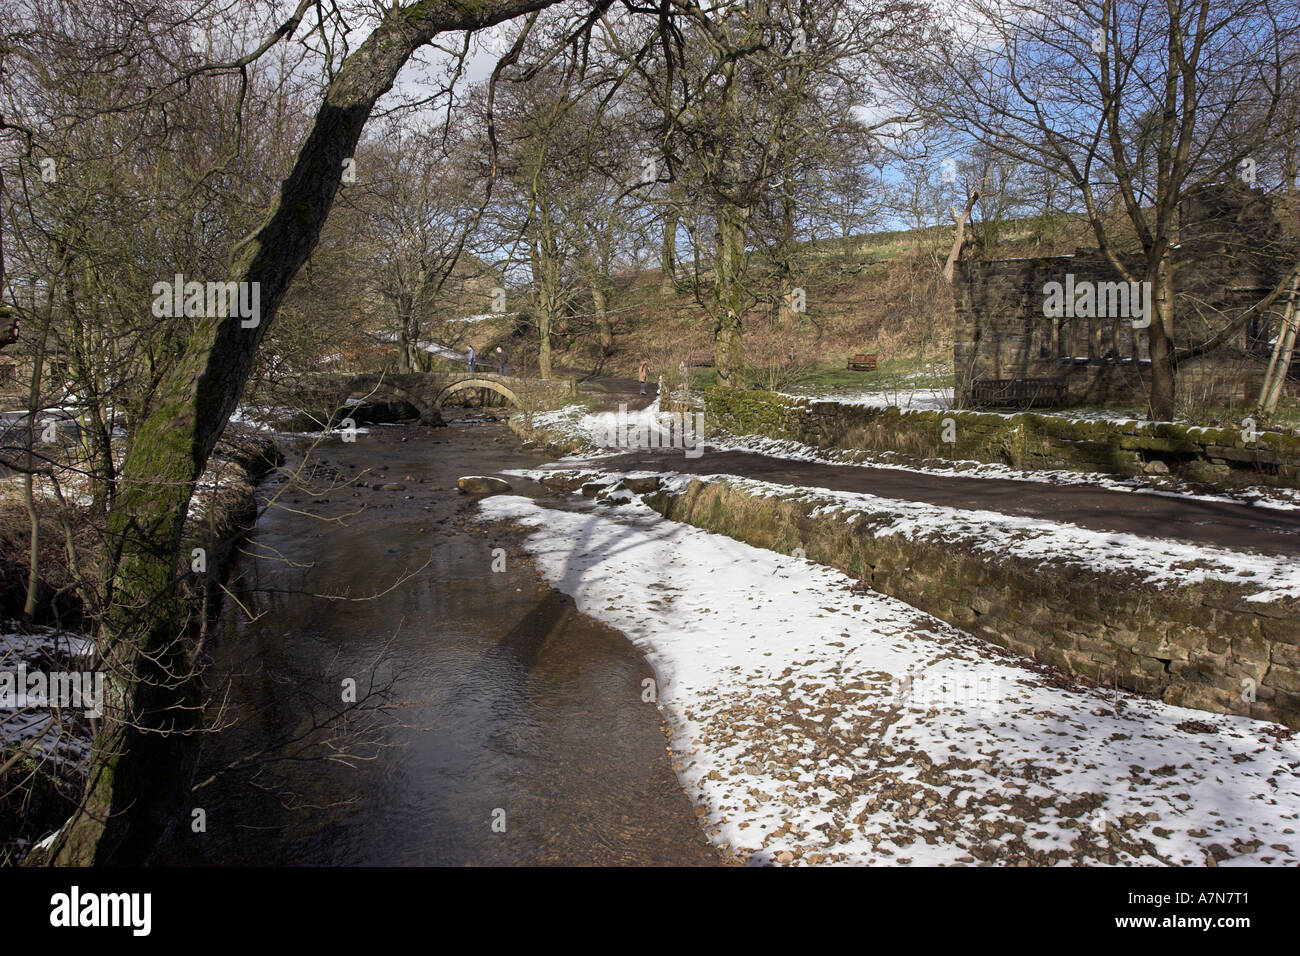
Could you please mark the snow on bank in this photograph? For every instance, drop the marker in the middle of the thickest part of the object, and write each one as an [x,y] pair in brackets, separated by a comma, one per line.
[437,348]
[39,648]
[266,418]
[572,422]
[261,417]
[1161,562]
[483,317]
[623,430]
[1157,561]
[908,398]
[36,642]
[815,723]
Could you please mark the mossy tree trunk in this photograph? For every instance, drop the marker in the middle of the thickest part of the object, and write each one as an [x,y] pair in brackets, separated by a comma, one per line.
[728,293]
[1161,339]
[546,285]
[668,251]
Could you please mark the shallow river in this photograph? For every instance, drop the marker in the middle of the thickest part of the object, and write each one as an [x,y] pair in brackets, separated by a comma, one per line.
[512,729]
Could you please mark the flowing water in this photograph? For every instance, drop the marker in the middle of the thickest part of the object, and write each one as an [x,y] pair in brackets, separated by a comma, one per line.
[506,728]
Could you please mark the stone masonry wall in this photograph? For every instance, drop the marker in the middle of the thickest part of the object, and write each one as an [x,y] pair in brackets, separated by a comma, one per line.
[1234,245]
[1001,331]
[1200,646]
[1218,456]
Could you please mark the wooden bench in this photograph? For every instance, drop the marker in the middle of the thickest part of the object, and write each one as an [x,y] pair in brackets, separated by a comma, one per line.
[1018,392]
[863,362]
[700,360]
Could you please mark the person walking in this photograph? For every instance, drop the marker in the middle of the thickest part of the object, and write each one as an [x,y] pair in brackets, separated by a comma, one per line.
[502,361]
[469,359]
[642,374]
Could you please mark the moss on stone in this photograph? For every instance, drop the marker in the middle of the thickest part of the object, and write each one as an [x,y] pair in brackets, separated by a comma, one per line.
[1025,440]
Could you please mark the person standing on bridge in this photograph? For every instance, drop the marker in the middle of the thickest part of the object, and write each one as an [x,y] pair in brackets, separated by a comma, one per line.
[642,374]
[502,361]
[469,359]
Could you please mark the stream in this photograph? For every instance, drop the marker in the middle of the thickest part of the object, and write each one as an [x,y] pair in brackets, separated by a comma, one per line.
[507,728]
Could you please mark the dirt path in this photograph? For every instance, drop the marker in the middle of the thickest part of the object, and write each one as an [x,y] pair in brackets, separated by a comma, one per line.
[611,391]
[1221,524]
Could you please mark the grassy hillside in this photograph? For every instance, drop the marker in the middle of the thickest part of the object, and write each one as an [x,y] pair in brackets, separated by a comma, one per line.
[880,293]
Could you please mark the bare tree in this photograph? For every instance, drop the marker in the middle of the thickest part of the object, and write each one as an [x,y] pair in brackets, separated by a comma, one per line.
[144,752]
[744,91]
[1139,104]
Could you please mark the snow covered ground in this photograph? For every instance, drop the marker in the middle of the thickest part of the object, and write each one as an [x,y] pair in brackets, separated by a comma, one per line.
[42,641]
[437,348]
[817,723]
[264,418]
[607,430]
[483,317]
[1160,562]
[36,648]
[261,417]
[910,397]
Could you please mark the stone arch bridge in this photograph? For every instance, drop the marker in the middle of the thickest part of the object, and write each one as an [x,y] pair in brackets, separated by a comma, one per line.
[428,392]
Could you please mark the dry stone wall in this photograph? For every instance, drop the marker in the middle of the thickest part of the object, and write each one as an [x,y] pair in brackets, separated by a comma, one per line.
[1202,646]
[1217,456]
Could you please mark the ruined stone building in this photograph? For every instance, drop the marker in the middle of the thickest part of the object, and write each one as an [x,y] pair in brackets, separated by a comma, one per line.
[1060,330]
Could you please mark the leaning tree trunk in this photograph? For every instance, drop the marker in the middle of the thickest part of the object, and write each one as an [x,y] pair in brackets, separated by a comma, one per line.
[141,761]
[959,237]
[1279,363]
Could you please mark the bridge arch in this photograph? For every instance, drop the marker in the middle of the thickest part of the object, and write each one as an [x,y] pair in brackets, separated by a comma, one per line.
[493,384]
[378,388]
[428,392]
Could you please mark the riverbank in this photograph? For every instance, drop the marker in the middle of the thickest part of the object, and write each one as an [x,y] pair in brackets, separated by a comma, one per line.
[44,752]
[1189,596]
[479,688]
[817,721]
